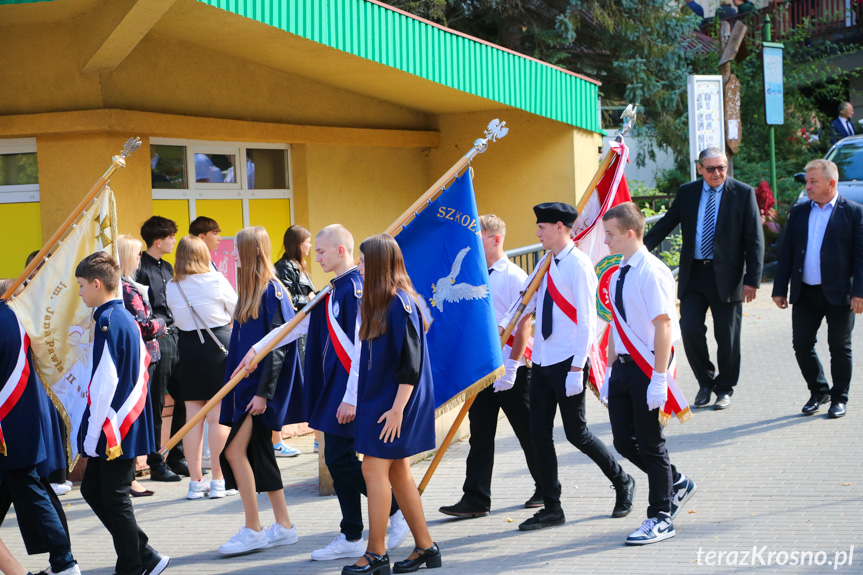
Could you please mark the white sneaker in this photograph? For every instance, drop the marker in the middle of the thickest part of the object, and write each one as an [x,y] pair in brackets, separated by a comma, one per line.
[682,491]
[282,449]
[160,565]
[61,488]
[652,531]
[398,530]
[217,489]
[198,489]
[73,570]
[278,535]
[244,541]
[340,548]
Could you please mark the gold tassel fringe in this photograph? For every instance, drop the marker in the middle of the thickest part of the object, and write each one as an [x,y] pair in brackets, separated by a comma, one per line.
[470,391]
[114,452]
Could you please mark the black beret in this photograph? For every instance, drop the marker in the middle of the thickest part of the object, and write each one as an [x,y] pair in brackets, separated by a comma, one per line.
[553,212]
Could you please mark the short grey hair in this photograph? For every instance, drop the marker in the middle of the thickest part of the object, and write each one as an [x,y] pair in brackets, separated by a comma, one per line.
[844,106]
[826,166]
[711,153]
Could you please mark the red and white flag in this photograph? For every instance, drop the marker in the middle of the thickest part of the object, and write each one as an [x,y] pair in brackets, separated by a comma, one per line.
[588,233]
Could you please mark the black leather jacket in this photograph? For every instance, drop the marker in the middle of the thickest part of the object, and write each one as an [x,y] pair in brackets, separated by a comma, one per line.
[299,284]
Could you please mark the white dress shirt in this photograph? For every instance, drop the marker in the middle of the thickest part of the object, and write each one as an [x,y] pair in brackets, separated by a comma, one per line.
[209,293]
[505,282]
[648,292]
[702,206]
[818,219]
[567,338]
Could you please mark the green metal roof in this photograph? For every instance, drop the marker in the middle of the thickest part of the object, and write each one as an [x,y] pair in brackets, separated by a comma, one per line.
[382,34]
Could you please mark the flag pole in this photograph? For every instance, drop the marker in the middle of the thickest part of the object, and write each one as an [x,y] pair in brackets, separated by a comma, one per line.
[119,161]
[495,131]
[628,116]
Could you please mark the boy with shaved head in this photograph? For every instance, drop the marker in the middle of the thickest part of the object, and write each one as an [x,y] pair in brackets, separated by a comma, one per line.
[329,398]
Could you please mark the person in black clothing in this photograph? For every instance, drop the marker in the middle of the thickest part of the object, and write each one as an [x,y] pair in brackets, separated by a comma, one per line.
[155,273]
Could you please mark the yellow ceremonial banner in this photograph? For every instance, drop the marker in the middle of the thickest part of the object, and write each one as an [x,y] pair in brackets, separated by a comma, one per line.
[59,324]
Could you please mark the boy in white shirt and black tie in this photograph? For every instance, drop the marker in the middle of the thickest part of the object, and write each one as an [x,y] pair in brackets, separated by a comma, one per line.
[644,305]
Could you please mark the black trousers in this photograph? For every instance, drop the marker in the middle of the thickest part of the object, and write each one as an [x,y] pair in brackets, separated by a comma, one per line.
[547,391]
[340,455]
[701,294]
[105,488]
[162,380]
[638,434]
[483,415]
[807,313]
[40,515]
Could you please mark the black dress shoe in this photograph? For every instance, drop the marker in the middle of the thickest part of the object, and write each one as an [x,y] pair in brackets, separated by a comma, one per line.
[723,401]
[625,495]
[180,467]
[429,557]
[464,510]
[376,564]
[161,472]
[535,501]
[542,519]
[703,397]
[837,410]
[815,402]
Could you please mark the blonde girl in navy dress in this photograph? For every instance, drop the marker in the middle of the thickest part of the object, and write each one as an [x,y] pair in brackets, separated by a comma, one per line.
[395,404]
[264,401]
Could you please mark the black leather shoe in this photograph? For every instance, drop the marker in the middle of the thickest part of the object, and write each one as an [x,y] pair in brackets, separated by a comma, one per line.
[376,564]
[703,397]
[464,510]
[535,501]
[180,467]
[837,410]
[542,519]
[429,557]
[815,402]
[161,472]
[625,495]
[723,401]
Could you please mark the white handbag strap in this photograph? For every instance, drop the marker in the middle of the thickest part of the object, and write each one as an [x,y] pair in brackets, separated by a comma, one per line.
[199,322]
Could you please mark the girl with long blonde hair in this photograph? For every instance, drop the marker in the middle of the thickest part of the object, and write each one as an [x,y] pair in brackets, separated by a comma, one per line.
[269,398]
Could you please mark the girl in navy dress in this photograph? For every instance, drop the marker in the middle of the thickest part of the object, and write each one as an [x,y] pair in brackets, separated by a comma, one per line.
[395,404]
[264,401]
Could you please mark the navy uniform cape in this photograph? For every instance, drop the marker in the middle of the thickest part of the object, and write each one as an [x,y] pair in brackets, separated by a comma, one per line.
[118,421]
[278,378]
[28,421]
[325,377]
[384,365]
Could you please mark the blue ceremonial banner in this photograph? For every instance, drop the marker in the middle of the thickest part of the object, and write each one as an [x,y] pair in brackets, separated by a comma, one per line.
[443,254]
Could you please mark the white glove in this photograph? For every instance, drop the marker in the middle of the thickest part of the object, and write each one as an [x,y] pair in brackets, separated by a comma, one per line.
[603,393]
[574,383]
[90,444]
[508,380]
[657,391]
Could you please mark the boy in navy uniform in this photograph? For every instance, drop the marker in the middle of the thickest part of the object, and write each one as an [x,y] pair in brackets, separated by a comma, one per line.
[31,447]
[565,306]
[117,425]
[642,293]
[330,395]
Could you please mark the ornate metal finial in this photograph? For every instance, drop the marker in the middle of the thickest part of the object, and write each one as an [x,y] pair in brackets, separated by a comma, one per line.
[628,116]
[130,147]
[496,130]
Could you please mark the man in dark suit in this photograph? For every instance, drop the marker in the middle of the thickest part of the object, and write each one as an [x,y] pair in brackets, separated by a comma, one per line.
[842,126]
[822,256]
[720,269]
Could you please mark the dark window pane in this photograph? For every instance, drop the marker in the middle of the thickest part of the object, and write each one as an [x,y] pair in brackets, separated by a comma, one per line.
[215,168]
[18,169]
[168,165]
[849,160]
[267,169]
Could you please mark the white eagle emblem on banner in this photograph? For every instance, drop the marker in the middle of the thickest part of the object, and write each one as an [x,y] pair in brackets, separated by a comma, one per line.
[446,290]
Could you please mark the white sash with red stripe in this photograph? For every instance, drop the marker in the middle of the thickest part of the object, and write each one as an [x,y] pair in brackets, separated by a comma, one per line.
[15,385]
[561,292]
[343,345]
[676,403]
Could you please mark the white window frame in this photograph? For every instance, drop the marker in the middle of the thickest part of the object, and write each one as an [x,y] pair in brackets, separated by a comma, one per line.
[219,191]
[25,193]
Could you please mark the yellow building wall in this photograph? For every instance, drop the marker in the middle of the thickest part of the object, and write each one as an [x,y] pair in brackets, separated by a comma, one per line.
[540,160]
[273,215]
[20,235]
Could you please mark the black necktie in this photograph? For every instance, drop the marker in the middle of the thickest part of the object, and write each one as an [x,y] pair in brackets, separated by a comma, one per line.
[618,292]
[547,306]
[709,225]
[490,270]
